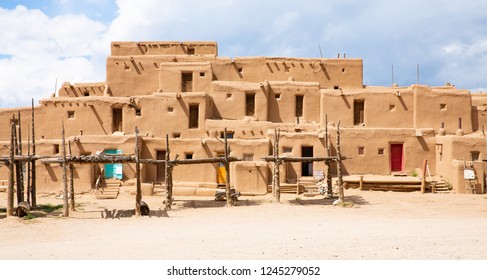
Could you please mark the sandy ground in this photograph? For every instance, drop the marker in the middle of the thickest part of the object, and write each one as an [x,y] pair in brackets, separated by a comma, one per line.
[380,225]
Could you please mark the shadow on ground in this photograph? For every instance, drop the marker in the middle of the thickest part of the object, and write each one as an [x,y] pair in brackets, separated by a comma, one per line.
[117,214]
[215,203]
[354,199]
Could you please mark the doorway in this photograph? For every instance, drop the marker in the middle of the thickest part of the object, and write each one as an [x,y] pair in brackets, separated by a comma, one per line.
[113,170]
[117,116]
[397,158]
[161,167]
[221,174]
[307,167]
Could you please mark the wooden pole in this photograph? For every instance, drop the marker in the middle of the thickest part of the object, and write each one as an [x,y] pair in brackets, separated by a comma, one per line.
[138,194]
[17,165]
[33,186]
[341,195]
[21,164]
[168,178]
[329,191]
[361,183]
[11,178]
[72,203]
[28,166]
[276,188]
[65,179]
[230,201]
[423,181]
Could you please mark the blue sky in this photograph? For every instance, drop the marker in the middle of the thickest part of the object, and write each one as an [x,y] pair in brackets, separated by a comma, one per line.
[45,43]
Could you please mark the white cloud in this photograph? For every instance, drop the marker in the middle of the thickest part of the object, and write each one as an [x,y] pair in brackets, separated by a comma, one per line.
[42,49]
[447,38]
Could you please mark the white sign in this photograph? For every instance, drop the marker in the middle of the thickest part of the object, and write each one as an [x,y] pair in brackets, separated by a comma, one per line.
[318,174]
[469,174]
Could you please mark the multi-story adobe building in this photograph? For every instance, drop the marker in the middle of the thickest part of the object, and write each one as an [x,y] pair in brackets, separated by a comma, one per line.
[184,90]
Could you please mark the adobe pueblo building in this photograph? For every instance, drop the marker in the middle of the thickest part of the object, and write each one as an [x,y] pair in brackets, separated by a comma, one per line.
[185,91]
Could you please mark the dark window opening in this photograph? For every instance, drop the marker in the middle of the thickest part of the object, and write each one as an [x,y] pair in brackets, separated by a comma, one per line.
[442,107]
[190,50]
[176,135]
[336,87]
[380,151]
[307,167]
[299,105]
[358,112]
[475,155]
[277,95]
[240,69]
[187,82]
[170,109]
[138,112]
[188,156]
[85,93]
[230,135]
[250,104]
[361,150]
[117,116]
[193,116]
[56,148]
[202,74]
[70,114]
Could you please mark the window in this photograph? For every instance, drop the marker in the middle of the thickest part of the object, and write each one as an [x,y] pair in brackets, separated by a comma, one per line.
[202,74]
[475,155]
[193,116]
[248,157]
[70,114]
[56,148]
[176,135]
[380,151]
[392,108]
[188,155]
[229,95]
[250,104]
[187,82]
[138,112]
[86,93]
[287,150]
[117,119]
[170,109]
[336,87]
[443,107]
[299,105]
[190,50]
[361,150]
[230,134]
[358,112]
[278,96]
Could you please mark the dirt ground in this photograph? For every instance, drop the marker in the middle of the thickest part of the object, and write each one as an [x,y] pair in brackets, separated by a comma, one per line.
[380,225]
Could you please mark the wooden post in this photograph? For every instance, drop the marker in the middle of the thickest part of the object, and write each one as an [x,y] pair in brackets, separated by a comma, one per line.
[329,191]
[21,163]
[72,203]
[65,179]
[28,166]
[138,194]
[423,181]
[17,165]
[168,178]
[11,178]
[341,195]
[276,186]
[230,201]
[33,179]
[361,183]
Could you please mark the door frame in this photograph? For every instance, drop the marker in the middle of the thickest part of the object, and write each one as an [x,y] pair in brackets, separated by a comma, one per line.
[391,155]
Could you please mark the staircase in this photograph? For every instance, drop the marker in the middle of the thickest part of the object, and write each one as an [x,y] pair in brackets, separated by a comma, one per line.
[108,189]
[159,189]
[440,187]
[309,185]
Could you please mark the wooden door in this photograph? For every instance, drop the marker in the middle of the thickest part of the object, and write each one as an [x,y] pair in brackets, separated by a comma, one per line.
[161,168]
[397,157]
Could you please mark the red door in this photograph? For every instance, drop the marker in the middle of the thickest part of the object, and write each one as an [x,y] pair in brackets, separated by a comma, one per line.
[396,157]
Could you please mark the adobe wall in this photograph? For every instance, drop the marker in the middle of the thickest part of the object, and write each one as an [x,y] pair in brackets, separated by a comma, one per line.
[383,107]
[170,79]
[122,48]
[447,105]
[415,149]
[458,181]
[83,89]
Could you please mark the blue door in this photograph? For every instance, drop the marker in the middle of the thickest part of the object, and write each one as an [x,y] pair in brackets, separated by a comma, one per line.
[113,170]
